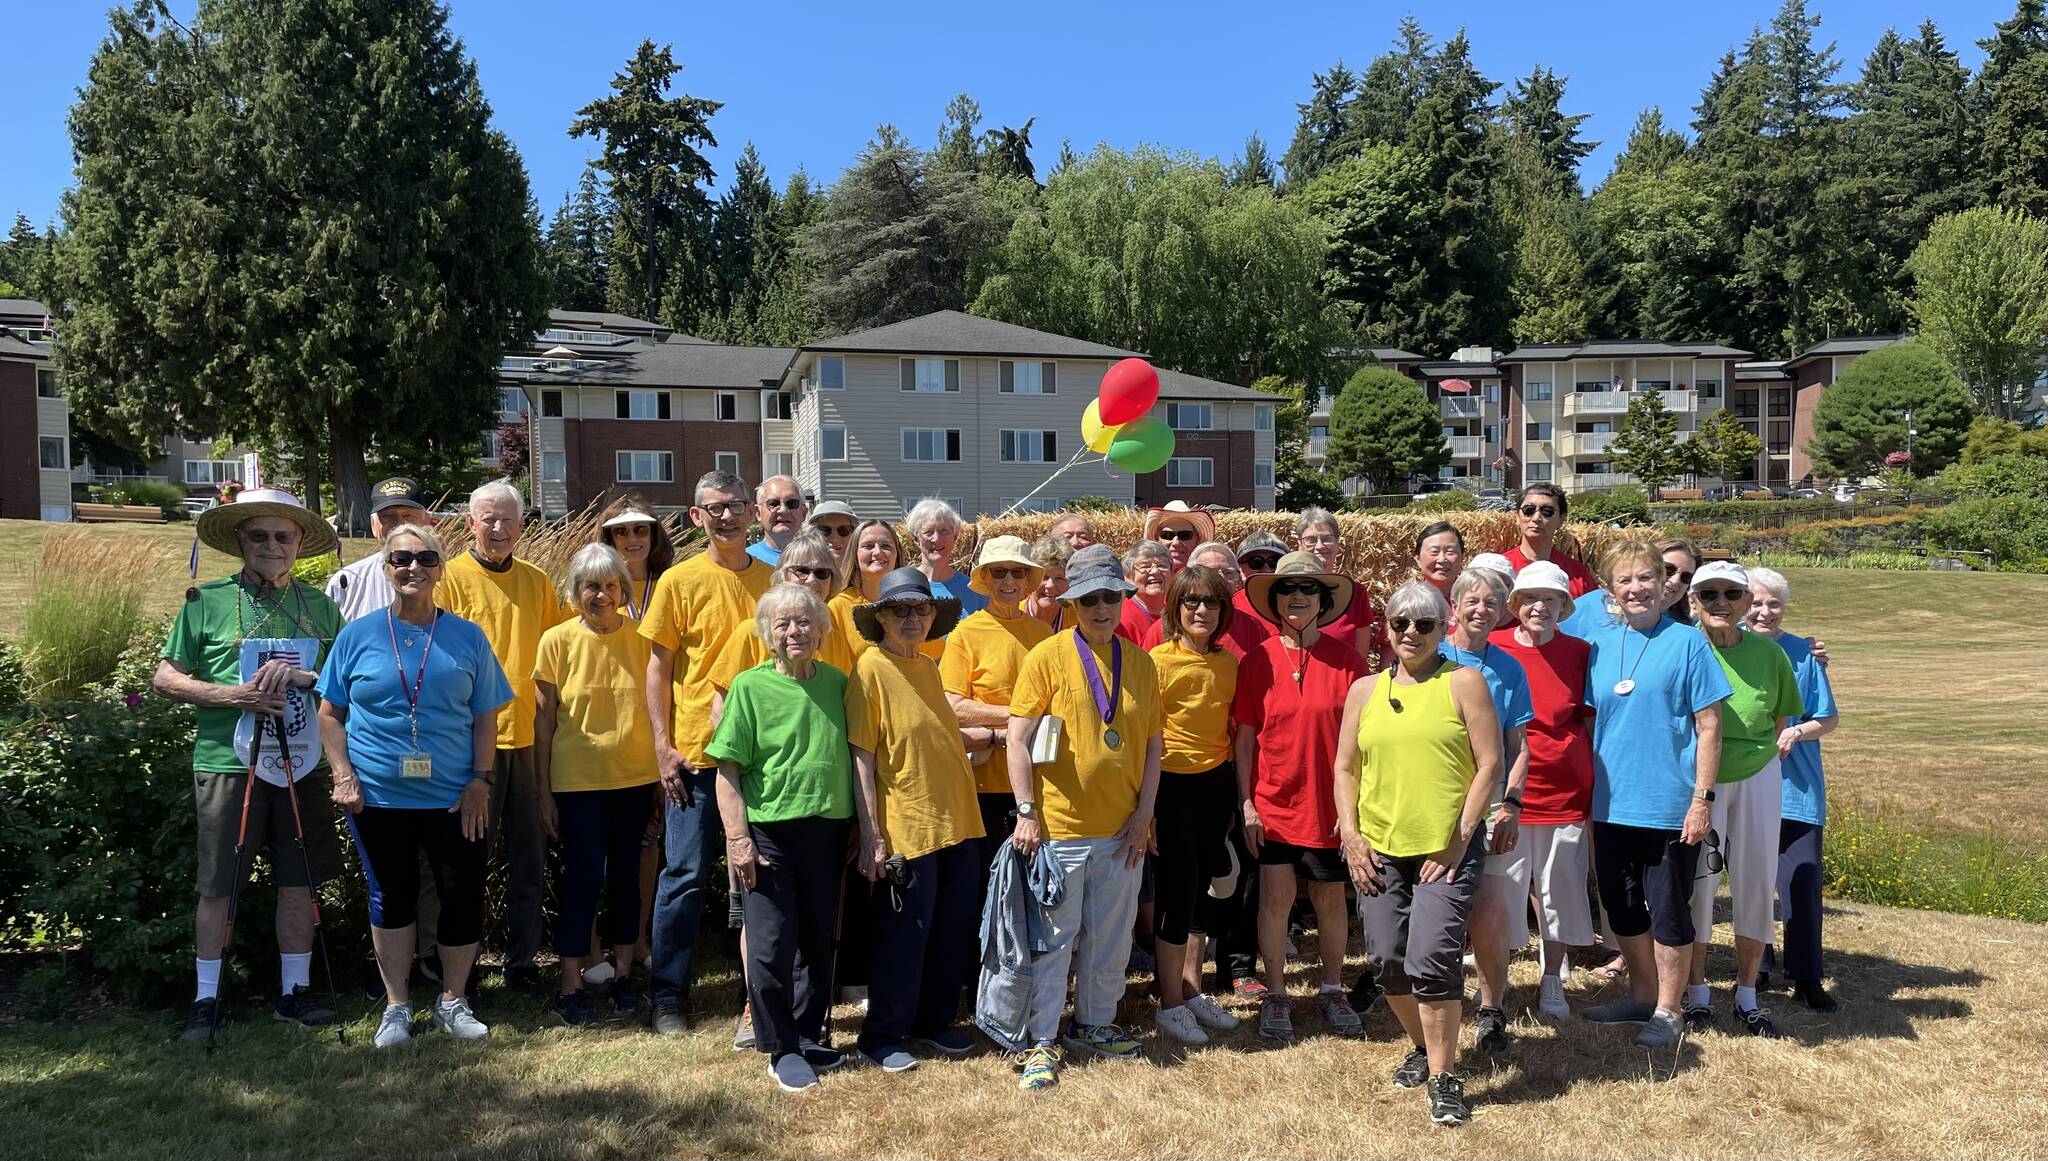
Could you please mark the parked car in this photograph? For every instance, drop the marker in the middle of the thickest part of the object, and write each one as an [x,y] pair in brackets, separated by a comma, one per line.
[1846,493]
[1806,494]
[197,504]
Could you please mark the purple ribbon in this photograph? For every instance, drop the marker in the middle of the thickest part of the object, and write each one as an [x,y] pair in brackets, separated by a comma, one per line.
[1105,699]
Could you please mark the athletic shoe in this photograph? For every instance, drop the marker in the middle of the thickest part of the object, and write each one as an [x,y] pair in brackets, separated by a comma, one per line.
[455,1018]
[1041,1069]
[395,1027]
[1659,1031]
[601,972]
[1699,1020]
[1414,1069]
[819,1057]
[669,1020]
[1757,1022]
[1276,1018]
[526,980]
[1248,988]
[199,1025]
[301,1008]
[1179,1023]
[626,1001]
[743,1030]
[1626,1010]
[1338,1015]
[891,1058]
[792,1072]
[1105,1040]
[948,1041]
[1447,1103]
[1366,993]
[1552,1002]
[1810,993]
[572,1010]
[1493,1031]
[1210,1014]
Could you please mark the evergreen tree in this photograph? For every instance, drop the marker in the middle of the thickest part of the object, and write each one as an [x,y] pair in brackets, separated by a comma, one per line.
[1008,152]
[1321,133]
[1253,166]
[959,147]
[1465,291]
[745,215]
[1534,113]
[2016,137]
[574,249]
[1391,90]
[19,258]
[2011,42]
[1660,257]
[1651,147]
[1383,428]
[1645,445]
[1552,291]
[1375,214]
[784,317]
[1723,447]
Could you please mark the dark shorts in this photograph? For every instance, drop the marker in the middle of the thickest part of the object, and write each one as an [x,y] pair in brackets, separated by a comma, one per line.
[1415,931]
[1316,864]
[219,801]
[1645,881]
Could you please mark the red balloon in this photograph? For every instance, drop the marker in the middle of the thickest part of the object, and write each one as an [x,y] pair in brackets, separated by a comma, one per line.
[1129,390]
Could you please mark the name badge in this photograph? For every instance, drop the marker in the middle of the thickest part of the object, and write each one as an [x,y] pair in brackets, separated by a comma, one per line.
[416,765]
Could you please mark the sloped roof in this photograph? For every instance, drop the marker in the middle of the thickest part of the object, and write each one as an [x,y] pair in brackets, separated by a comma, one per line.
[1762,371]
[666,364]
[1620,349]
[952,332]
[1179,385]
[13,346]
[1845,345]
[1444,369]
[602,320]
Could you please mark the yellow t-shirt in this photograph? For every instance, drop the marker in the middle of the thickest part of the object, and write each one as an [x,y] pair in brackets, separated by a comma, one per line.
[1195,692]
[1089,789]
[602,738]
[982,657]
[747,650]
[513,608]
[924,788]
[1414,767]
[699,606]
[842,614]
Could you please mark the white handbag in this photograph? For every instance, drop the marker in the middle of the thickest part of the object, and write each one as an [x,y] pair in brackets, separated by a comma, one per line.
[1045,742]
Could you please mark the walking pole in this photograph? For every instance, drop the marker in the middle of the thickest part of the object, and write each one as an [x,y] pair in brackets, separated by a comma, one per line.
[306,865]
[227,931]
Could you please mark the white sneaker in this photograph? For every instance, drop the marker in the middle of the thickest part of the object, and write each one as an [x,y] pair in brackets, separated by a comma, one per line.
[455,1018]
[1552,1001]
[1210,1014]
[1180,1024]
[395,1028]
[600,972]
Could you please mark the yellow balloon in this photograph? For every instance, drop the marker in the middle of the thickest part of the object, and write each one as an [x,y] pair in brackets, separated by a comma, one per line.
[1093,433]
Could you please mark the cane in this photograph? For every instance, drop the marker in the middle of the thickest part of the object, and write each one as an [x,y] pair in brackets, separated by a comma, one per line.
[306,865]
[227,931]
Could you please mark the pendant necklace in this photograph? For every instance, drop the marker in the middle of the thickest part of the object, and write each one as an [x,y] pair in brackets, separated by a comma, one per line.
[1627,685]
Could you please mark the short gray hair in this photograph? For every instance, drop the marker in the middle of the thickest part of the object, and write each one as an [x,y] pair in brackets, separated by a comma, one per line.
[761,492]
[1472,578]
[1049,550]
[1312,516]
[426,534]
[597,561]
[499,490]
[1773,581]
[1143,549]
[718,482]
[1213,546]
[1418,600]
[930,510]
[808,547]
[780,599]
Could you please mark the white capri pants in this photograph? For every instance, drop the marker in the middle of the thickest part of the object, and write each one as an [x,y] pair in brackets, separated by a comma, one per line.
[1554,860]
[1746,817]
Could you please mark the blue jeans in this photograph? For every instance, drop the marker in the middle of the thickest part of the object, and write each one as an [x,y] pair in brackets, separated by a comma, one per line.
[679,893]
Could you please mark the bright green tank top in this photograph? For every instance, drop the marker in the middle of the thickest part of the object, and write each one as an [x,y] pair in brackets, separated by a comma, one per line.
[1414,765]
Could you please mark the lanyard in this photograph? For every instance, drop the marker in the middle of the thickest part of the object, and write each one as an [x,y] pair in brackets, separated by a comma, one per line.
[646,598]
[1105,699]
[419,682]
[263,615]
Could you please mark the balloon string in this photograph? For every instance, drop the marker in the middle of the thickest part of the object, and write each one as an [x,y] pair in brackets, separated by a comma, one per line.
[1043,484]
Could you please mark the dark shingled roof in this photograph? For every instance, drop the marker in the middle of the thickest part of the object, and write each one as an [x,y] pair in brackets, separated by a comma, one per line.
[1846,345]
[1620,349]
[1448,370]
[1763,371]
[14,347]
[1179,385]
[604,320]
[952,332]
[686,364]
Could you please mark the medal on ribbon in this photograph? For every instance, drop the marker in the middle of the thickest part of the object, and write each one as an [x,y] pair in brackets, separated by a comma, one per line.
[1105,699]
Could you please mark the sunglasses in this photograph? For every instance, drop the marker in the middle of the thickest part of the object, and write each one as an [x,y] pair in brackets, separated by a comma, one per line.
[1544,510]
[1198,602]
[1261,563]
[1715,860]
[1719,596]
[783,505]
[807,572]
[401,558]
[258,536]
[840,531]
[1422,625]
[725,509]
[1174,534]
[997,573]
[1671,570]
[909,611]
[1298,588]
[1100,597]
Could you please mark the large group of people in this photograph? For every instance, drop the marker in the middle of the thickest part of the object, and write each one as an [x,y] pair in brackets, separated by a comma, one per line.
[1015,782]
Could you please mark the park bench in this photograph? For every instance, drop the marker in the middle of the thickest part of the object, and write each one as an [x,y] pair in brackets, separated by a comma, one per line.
[118,513]
[1680,494]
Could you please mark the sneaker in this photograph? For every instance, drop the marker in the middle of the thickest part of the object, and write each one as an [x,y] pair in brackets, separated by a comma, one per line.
[1757,1022]
[743,1030]
[1414,1069]
[950,1042]
[890,1058]
[601,972]
[200,1025]
[626,1001]
[1626,1010]
[792,1072]
[1248,988]
[1659,1031]
[669,1020]
[1493,1031]
[455,1018]
[1338,1015]
[819,1057]
[1552,1002]
[1041,1069]
[301,1008]
[1447,1103]
[571,1011]
[1366,993]
[1699,1020]
[526,980]
[1210,1014]
[1179,1023]
[1810,993]
[1276,1018]
[395,1027]
[1106,1040]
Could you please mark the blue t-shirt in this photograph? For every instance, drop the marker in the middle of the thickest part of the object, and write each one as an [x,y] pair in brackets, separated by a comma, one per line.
[1589,613]
[463,679]
[1806,792]
[1506,681]
[1643,742]
[956,586]
[766,553]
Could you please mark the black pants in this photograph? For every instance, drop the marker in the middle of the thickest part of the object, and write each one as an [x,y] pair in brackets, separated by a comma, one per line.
[789,917]
[1193,817]
[1799,873]
[600,832]
[922,956]
[391,841]
[1232,924]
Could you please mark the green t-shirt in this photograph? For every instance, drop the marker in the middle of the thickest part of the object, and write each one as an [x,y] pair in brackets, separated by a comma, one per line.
[1765,690]
[207,640]
[788,738]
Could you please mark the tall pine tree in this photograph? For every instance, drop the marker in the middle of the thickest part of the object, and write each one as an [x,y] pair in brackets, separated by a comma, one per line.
[574,248]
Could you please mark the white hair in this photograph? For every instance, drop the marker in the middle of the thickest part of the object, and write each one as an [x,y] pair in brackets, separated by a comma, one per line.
[784,597]
[1213,546]
[498,490]
[1312,516]
[1472,578]
[597,561]
[1142,550]
[1773,582]
[1418,600]
[928,511]
[761,492]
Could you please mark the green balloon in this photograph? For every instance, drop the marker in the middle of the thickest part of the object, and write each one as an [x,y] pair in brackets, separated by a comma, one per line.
[1142,445]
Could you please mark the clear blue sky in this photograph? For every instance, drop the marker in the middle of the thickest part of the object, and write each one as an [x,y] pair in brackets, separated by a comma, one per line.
[808,82]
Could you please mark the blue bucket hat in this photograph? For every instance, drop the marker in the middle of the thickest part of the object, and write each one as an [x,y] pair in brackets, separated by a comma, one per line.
[1095,569]
[907,586]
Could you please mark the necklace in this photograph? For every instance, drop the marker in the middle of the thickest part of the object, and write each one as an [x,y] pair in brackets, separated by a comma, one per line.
[1627,684]
[262,614]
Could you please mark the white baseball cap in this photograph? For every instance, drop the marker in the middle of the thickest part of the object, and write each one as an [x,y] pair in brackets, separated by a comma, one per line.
[1721,570]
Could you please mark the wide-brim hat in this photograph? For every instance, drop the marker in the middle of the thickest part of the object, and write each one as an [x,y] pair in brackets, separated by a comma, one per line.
[218,525]
[1299,566]
[1541,576]
[1203,523]
[1095,569]
[907,586]
[1003,550]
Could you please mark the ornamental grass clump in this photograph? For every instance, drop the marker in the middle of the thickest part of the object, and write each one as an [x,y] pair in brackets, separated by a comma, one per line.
[85,605]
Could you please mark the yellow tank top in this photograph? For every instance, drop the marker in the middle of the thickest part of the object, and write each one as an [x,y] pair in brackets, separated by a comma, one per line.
[1414,765]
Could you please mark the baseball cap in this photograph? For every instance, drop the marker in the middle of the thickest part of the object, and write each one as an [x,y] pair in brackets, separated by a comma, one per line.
[395,492]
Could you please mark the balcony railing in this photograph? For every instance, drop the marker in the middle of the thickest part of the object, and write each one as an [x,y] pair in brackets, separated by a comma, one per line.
[1616,402]
[1460,407]
[1585,443]
[1318,446]
[1466,447]
[1588,481]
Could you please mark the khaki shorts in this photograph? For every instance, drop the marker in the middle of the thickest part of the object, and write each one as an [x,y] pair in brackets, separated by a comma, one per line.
[1553,861]
[219,799]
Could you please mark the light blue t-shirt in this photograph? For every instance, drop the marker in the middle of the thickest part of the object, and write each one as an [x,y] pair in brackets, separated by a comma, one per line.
[956,586]
[463,679]
[1589,613]
[1506,681]
[766,553]
[1643,741]
[1806,792]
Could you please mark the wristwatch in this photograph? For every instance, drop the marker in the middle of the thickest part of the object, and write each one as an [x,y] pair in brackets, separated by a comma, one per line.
[487,777]
[1027,810]
[1708,796]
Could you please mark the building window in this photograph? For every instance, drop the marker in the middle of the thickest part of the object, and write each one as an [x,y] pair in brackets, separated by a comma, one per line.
[1262,473]
[832,444]
[551,405]
[1188,416]
[954,502]
[511,405]
[1537,473]
[487,447]
[1653,384]
[1191,473]
[1030,447]
[1492,434]
[1536,431]
[642,404]
[1594,388]
[1015,378]
[1042,504]
[554,467]
[212,471]
[1447,472]
[647,467]
[727,462]
[1779,440]
[1492,392]
[1781,402]
[1319,433]
[931,445]
[53,454]
[930,376]
[832,373]
[728,404]
[778,405]
[1707,388]
[1540,392]
[784,464]
[46,384]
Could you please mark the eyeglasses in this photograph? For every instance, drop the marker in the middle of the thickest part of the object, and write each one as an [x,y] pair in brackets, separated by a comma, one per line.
[1100,597]
[1422,625]
[724,509]
[1297,588]
[782,505]
[837,531]
[1192,601]
[808,572]
[999,573]
[1317,540]
[1259,563]
[425,558]
[1544,510]
[909,612]
[1719,596]
[1174,534]
[1671,570]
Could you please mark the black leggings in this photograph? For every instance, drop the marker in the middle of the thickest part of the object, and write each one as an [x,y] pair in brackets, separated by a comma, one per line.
[600,832]
[391,840]
[1193,820]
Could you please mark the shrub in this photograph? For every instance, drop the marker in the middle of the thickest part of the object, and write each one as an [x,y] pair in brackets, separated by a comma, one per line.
[2012,528]
[2007,474]
[316,570]
[1885,561]
[166,497]
[84,607]
[1630,504]
[1880,857]
[1457,500]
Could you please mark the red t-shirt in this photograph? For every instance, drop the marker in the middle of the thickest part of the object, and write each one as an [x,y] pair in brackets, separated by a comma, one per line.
[1580,579]
[1560,786]
[1135,619]
[1245,632]
[1297,732]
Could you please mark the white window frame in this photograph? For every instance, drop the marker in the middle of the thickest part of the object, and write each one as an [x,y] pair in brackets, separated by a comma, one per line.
[516,413]
[921,370]
[662,469]
[1262,417]
[1544,392]
[63,446]
[784,463]
[217,472]
[554,467]
[1262,473]
[727,462]
[838,364]
[943,440]
[829,429]
[957,503]
[1180,416]
[1044,505]
[1011,445]
[1011,371]
[725,406]
[659,403]
[1177,469]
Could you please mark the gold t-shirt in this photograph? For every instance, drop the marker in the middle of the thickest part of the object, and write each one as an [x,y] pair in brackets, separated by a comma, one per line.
[1089,789]
[699,606]
[513,608]
[924,788]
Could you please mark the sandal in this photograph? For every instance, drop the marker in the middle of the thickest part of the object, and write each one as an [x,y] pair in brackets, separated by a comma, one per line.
[1613,969]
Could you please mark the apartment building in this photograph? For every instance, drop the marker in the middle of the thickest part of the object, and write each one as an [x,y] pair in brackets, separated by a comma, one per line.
[1787,408]
[1466,391]
[1563,402]
[982,413]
